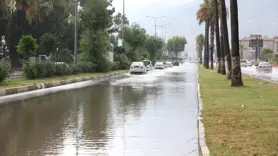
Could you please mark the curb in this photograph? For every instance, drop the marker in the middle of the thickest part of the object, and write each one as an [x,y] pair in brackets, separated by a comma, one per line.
[39,86]
[203,148]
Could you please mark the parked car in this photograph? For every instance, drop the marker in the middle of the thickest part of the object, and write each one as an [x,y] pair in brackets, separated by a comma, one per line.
[148,64]
[243,63]
[176,63]
[137,67]
[159,65]
[169,64]
[249,63]
[264,67]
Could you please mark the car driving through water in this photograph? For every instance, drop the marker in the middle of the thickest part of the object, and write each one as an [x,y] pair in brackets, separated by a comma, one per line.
[137,67]
[159,65]
[264,67]
[148,64]
[169,64]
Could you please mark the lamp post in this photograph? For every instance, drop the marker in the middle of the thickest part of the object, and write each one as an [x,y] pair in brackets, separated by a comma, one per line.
[123,23]
[75,31]
[155,18]
[164,31]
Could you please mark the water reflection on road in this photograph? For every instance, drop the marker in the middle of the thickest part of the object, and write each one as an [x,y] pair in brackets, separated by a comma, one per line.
[143,115]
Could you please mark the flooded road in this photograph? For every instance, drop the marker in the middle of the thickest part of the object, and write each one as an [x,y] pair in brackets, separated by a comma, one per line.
[143,115]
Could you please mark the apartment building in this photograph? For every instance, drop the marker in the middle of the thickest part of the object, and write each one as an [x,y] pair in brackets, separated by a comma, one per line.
[269,43]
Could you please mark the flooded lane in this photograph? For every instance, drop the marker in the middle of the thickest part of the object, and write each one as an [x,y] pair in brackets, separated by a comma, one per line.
[151,115]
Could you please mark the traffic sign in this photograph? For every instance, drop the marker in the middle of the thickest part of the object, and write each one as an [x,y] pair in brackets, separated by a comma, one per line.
[254,42]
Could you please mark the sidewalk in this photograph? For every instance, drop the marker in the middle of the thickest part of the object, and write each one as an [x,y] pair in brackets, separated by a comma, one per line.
[239,120]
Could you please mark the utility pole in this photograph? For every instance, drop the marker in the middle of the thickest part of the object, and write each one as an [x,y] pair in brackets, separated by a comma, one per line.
[75,32]
[164,29]
[123,24]
[155,18]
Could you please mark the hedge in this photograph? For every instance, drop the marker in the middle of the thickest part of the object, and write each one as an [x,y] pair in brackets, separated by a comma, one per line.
[4,69]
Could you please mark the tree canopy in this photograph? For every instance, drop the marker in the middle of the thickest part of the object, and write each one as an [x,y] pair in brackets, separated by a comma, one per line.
[176,45]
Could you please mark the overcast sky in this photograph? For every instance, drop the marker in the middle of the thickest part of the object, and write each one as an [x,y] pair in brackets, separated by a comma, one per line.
[255,16]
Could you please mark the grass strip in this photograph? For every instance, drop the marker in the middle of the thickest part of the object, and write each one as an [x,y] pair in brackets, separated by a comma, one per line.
[9,83]
[239,121]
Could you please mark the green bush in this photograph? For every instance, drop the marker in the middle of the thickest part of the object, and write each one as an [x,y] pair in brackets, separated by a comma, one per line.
[104,66]
[4,69]
[115,66]
[26,47]
[50,69]
[41,69]
[87,67]
[124,61]
[60,69]
[30,70]
[76,69]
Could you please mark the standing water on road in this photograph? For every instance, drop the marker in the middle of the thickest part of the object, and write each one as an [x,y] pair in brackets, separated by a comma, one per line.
[143,115]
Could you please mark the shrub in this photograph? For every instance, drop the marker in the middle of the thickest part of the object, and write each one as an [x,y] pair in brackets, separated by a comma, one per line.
[124,61]
[60,69]
[87,67]
[30,70]
[41,69]
[115,66]
[50,69]
[26,47]
[4,69]
[104,66]
[76,69]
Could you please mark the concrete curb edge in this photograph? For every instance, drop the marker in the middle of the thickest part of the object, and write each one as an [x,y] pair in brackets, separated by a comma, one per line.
[203,148]
[38,86]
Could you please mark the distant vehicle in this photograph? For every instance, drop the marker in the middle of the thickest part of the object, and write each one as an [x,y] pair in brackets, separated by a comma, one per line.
[264,67]
[137,67]
[164,64]
[176,63]
[159,65]
[243,63]
[169,64]
[148,64]
[249,63]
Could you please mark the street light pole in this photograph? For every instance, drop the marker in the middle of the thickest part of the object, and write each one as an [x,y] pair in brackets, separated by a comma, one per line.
[155,18]
[123,24]
[75,32]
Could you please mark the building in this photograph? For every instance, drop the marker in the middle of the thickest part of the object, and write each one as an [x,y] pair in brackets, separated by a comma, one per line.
[249,52]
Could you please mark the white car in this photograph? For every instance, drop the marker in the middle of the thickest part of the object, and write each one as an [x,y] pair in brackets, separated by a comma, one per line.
[249,63]
[264,67]
[137,67]
[148,64]
[169,64]
[243,63]
[159,65]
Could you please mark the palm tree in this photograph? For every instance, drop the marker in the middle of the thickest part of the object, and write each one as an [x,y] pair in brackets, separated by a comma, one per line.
[212,30]
[236,79]
[203,17]
[226,46]
[200,41]
[216,15]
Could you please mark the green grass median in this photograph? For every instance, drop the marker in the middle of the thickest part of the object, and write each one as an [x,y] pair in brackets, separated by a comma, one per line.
[239,121]
[8,83]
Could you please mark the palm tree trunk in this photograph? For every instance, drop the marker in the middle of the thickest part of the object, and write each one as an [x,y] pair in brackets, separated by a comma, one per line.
[222,53]
[217,35]
[212,30]
[226,38]
[200,54]
[236,70]
[206,54]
